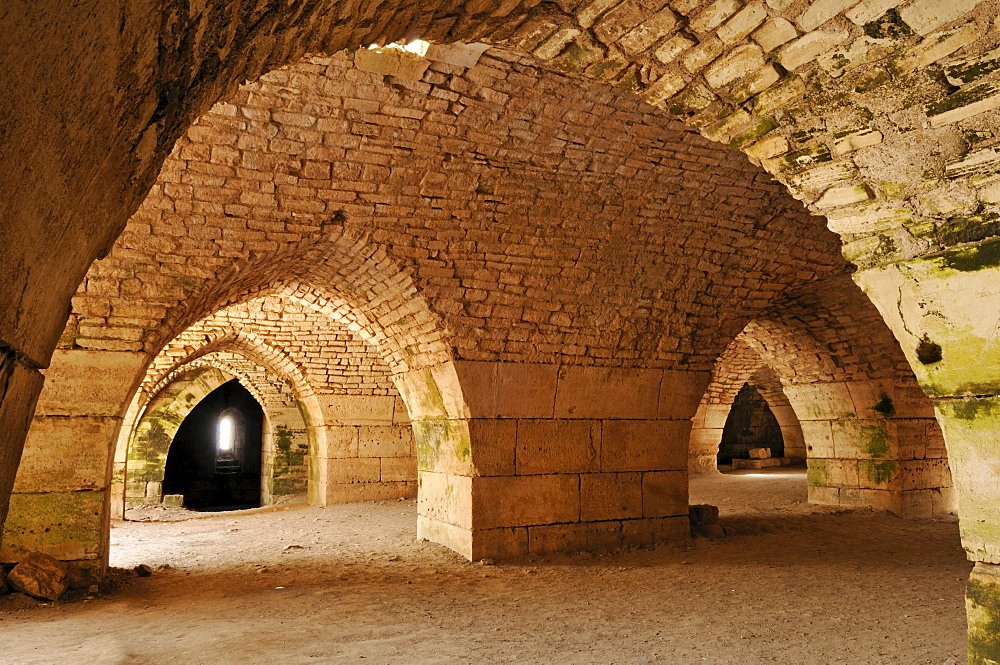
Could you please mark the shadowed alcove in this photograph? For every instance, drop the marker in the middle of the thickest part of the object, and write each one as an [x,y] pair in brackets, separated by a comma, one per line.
[750,424]
[215,458]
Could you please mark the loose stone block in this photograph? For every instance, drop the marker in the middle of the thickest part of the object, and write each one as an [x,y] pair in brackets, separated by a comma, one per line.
[760,453]
[173,500]
[39,575]
[702,514]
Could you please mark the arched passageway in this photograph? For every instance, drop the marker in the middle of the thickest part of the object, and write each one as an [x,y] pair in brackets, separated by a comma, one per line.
[750,425]
[878,117]
[215,457]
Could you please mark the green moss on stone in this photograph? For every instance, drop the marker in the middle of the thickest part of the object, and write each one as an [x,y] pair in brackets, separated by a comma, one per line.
[971,259]
[816,473]
[885,406]
[888,26]
[754,133]
[959,99]
[983,604]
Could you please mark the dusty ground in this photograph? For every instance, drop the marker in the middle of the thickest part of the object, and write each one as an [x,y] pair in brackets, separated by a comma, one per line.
[349,584]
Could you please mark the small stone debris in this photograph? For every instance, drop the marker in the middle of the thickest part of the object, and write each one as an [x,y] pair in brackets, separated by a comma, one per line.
[289,548]
[142,570]
[487,562]
[703,513]
[40,576]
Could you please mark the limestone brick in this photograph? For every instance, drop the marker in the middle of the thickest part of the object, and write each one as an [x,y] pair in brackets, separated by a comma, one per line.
[610,496]
[805,49]
[743,23]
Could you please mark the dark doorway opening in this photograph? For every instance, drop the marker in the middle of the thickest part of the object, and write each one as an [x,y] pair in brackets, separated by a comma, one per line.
[750,424]
[215,458]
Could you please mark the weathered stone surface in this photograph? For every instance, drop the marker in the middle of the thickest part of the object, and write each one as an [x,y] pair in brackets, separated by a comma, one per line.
[774,33]
[924,16]
[808,47]
[39,575]
[712,16]
[743,23]
[820,12]
[703,514]
[739,63]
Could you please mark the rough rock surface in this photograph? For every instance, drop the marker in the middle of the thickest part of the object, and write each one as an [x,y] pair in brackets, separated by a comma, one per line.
[39,575]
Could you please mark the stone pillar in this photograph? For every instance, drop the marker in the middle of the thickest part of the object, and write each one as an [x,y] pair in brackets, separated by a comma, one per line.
[60,503]
[369,453]
[873,443]
[19,389]
[285,458]
[944,312]
[533,458]
[706,434]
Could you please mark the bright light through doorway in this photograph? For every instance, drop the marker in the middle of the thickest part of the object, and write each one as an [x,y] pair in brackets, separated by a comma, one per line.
[225,434]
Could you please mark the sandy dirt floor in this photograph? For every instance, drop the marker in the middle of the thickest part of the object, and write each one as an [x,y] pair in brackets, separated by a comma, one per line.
[795,584]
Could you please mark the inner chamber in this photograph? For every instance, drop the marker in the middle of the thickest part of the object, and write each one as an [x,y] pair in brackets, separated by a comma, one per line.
[215,458]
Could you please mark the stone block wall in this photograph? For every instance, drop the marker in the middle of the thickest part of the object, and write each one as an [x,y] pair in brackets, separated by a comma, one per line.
[370,454]
[60,503]
[886,451]
[560,458]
